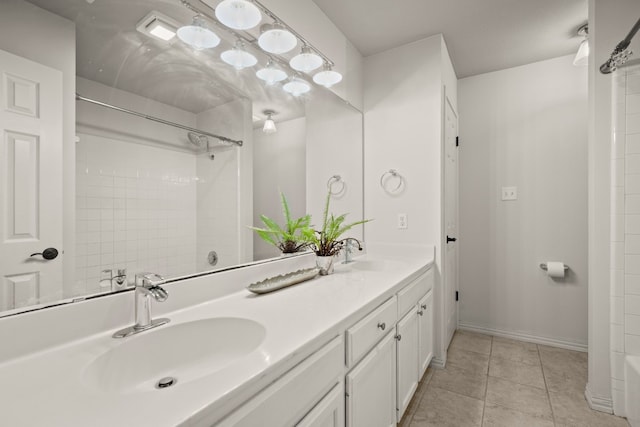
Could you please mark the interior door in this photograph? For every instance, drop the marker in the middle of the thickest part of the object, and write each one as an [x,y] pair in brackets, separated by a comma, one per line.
[451,220]
[30,182]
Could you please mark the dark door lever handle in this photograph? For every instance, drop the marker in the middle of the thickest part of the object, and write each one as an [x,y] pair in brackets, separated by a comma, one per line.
[48,254]
[451,239]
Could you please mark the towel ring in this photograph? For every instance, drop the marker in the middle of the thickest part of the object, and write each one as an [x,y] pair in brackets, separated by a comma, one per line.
[335,179]
[394,174]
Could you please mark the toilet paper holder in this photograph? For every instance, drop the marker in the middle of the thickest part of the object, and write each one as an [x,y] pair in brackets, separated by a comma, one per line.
[544,266]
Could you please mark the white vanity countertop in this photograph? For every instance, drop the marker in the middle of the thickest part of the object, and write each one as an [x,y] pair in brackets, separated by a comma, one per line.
[50,387]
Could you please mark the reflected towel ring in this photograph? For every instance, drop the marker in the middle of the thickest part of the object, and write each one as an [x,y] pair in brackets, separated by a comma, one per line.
[394,174]
[335,179]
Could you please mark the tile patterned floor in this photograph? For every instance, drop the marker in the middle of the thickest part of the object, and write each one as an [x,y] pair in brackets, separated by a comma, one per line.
[492,381]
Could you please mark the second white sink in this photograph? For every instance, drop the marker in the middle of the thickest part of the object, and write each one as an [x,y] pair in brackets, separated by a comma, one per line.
[185,351]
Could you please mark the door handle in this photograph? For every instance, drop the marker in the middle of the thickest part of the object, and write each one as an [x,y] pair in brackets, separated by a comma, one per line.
[48,254]
[451,239]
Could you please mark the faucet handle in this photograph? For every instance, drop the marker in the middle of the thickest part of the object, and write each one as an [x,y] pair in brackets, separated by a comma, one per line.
[148,280]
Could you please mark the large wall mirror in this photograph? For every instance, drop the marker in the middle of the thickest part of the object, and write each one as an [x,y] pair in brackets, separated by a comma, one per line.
[168,181]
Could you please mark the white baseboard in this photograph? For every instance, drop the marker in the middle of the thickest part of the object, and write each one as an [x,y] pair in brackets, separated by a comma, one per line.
[524,337]
[602,404]
[438,363]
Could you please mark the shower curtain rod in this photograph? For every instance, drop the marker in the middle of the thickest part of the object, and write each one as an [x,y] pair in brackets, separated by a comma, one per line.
[156,119]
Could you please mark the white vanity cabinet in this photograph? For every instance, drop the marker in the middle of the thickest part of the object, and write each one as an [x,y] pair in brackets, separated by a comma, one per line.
[329,412]
[371,387]
[425,331]
[407,360]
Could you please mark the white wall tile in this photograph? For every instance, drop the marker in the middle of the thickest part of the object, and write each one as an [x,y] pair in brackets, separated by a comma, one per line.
[633,104]
[617,255]
[633,84]
[632,144]
[617,365]
[617,310]
[633,123]
[632,324]
[632,224]
[632,344]
[617,338]
[632,244]
[632,204]
[617,228]
[632,284]
[632,163]
[617,283]
[632,184]
[632,304]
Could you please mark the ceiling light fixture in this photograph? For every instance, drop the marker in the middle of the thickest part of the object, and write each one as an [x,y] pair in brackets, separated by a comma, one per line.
[238,14]
[276,39]
[238,57]
[269,124]
[582,56]
[198,35]
[158,26]
[306,61]
[327,77]
[297,87]
[271,74]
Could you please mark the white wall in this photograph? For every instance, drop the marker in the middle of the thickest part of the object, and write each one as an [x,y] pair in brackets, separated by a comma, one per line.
[279,165]
[404,92]
[23,28]
[334,147]
[525,127]
[609,22]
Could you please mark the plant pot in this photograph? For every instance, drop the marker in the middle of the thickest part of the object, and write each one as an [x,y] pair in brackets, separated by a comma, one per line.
[325,264]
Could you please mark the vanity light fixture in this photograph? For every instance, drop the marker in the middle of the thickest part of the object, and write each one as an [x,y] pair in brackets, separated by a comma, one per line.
[297,87]
[269,124]
[238,14]
[198,35]
[306,61]
[327,77]
[238,57]
[274,38]
[158,26]
[582,56]
[271,74]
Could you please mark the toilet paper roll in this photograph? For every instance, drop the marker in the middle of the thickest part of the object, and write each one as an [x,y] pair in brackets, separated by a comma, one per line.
[555,269]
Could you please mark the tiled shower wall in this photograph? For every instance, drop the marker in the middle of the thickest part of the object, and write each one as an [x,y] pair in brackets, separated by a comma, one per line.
[625,231]
[136,209]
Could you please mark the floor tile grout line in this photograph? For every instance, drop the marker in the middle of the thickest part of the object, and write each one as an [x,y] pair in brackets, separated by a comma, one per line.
[546,387]
[486,385]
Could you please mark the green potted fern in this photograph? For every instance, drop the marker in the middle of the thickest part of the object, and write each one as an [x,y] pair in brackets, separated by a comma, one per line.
[290,238]
[327,242]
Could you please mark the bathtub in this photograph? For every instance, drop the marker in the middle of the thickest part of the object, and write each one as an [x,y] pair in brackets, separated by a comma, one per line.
[632,389]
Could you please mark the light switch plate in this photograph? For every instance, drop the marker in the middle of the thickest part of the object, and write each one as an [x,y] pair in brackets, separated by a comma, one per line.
[509,193]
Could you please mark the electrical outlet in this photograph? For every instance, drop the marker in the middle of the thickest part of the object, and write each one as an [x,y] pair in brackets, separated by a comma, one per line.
[509,193]
[403,222]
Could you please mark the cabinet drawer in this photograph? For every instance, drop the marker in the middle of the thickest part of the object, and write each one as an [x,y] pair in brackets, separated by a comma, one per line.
[287,400]
[365,334]
[329,412]
[409,296]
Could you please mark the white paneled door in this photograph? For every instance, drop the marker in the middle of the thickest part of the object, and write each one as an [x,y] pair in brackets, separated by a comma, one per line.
[30,182]
[451,221]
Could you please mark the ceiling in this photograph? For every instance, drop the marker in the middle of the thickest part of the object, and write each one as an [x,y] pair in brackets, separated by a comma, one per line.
[481,35]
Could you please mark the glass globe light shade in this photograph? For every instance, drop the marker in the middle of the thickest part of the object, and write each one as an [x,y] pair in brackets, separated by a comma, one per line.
[238,57]
[269,125]
[271,74]
[276,39]
[327,77]
[197,35]
[297,87]
[306,60]
[238,14]
[582,57]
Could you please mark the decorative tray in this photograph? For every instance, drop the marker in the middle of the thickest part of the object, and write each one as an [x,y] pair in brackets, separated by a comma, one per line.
[282,281]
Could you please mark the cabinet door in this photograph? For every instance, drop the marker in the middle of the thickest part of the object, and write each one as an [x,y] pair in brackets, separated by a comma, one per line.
[329,412]
[371,387]
[425,331]
[407,348]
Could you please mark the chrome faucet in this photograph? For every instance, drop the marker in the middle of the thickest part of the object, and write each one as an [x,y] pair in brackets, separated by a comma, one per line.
[147,285]
[350,244]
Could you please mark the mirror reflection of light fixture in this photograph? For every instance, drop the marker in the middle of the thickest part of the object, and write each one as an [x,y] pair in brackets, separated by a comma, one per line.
[271,74]
[306,60]
[238,14]
[327,77]
[276,39]
[269,124]
[297,86]
[198,35]
[582,56]
[238,57]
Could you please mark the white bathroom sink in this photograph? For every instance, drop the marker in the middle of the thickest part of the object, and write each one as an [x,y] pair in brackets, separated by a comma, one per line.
[184,351]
